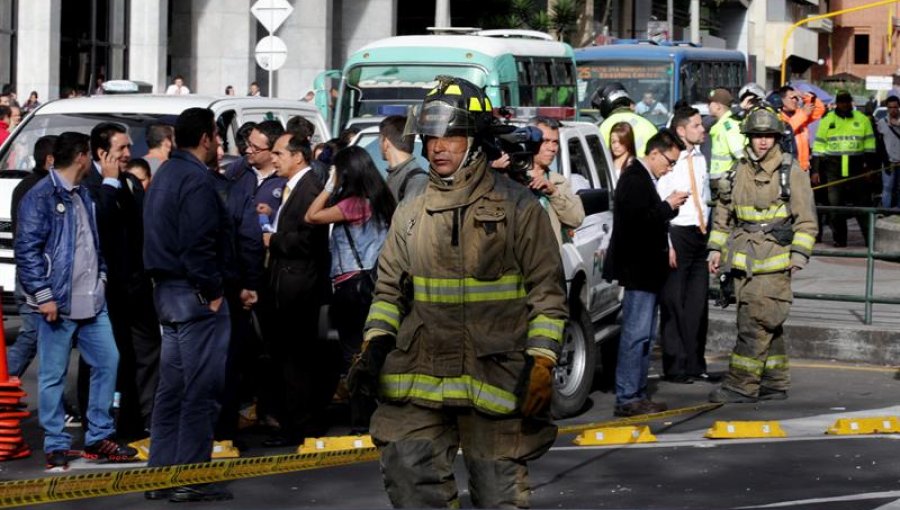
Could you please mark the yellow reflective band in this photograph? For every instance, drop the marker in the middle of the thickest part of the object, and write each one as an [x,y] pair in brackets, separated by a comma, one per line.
[777,362]
[745,364]
[772,264]
[453,90]
[475,105]
[433,91]
[487,104]
[804,240]
[440,389]
[382,311]
[467,290]
[717,238]
[750,213]
[546,327]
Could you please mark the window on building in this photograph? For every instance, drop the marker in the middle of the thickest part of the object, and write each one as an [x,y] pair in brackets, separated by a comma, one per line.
[8,41]
[861,49]
[86,54]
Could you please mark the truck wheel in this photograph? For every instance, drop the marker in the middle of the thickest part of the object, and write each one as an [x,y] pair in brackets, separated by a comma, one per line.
[574,373]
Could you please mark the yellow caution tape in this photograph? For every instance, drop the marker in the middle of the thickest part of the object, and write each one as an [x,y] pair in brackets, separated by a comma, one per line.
[355,450]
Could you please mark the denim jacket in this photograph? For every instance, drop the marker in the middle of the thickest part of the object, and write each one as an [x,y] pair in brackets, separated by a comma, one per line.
[368,238]
[45,242]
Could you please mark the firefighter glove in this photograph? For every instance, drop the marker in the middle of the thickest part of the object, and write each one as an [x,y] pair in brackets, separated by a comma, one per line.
[540,387]
[362,378]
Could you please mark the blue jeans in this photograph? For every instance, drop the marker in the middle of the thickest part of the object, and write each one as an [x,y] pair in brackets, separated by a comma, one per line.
[638,332]
[192,368]
[889,184]
[20,354]
[98,349]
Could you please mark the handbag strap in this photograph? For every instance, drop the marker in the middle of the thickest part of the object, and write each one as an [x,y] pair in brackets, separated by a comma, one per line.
[353,246]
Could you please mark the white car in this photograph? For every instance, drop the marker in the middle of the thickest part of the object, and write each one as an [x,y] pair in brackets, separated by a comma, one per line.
[592,332]
[136,113]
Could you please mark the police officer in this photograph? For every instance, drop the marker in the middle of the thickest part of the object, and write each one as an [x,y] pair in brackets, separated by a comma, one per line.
[764,228]
[616,106]
[466,323]
[726,140]
[844,146]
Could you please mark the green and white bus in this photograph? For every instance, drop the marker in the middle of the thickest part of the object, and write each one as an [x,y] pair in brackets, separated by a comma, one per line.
[516,68]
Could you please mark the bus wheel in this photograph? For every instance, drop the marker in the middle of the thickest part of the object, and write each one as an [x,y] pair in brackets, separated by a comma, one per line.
[574,373]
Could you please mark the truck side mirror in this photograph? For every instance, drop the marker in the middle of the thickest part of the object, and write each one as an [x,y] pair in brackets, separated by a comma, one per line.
[594,200]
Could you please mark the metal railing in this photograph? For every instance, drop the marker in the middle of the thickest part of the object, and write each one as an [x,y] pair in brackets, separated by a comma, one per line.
[868,299]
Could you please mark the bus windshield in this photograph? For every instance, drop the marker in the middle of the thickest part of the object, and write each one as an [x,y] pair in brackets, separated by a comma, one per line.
[371,86]
[648,83]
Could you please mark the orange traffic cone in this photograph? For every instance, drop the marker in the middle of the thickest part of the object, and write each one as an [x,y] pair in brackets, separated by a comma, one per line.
[12,409]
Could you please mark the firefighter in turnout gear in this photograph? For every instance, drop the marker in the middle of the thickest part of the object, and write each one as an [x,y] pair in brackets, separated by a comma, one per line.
[764,228]
[616,106]
[467,320]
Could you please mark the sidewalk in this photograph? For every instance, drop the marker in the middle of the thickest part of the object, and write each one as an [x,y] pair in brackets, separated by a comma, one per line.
[831,329]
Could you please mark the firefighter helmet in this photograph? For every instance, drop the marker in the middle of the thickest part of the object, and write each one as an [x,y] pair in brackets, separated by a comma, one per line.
[762,121]
[609,97]
[454,107]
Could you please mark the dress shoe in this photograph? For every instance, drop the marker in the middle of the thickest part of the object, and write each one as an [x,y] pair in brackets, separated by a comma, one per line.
[724,395]
[679,379]
[204,492]
[639,407]
[158,494]
[281,441]
[707,377]
[771,394]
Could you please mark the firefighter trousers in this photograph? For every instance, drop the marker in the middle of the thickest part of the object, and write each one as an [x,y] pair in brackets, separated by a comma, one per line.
[760,357]
[418,446]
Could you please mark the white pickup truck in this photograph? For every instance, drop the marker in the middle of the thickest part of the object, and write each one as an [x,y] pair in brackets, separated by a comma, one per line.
[591,334]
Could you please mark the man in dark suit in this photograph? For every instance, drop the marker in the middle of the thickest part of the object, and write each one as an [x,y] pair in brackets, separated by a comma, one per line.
[638,258]
[299,285]
[119,198]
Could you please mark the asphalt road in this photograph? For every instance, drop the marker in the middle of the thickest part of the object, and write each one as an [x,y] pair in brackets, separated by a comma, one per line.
[806,470]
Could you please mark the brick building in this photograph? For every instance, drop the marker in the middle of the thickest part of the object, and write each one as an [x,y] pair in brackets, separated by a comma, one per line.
[865,42]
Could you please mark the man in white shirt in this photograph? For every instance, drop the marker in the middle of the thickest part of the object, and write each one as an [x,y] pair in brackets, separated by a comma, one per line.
[684,305]
[178,88]
[649,106]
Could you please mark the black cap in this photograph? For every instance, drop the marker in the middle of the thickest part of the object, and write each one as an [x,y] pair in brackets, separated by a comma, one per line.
[843,97]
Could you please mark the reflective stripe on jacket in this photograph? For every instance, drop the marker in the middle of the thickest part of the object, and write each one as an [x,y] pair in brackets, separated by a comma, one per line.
[726,145]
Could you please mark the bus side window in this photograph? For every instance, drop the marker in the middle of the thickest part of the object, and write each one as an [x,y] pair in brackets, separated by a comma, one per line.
[600,162]
[543,90]
[578,162]
[526,97]
[505,96]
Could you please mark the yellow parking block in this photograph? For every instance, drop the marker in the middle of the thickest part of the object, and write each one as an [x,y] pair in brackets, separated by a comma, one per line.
[615,435]
[856,426]
[326,444]
[744,429]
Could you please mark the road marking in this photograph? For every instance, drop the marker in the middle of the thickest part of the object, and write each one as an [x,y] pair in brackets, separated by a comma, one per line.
[714,443]
[849,497]
[840,366]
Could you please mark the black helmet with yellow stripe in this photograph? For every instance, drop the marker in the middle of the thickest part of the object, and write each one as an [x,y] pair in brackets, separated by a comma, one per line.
[454,107]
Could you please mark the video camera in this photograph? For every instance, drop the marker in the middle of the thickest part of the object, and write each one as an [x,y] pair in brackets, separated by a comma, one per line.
[520,144]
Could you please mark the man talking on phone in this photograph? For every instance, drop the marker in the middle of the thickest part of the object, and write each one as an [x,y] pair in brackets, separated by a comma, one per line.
[684,309]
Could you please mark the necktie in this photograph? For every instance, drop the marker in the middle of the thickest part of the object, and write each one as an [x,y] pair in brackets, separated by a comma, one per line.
[696,195]
[285,194]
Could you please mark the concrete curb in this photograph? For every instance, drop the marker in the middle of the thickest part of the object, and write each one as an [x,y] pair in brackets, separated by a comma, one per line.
[863,344]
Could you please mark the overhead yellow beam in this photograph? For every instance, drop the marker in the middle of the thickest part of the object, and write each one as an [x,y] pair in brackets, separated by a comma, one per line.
[790,30]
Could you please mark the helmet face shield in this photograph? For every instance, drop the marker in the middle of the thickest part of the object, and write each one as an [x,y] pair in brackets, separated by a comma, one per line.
[438,119]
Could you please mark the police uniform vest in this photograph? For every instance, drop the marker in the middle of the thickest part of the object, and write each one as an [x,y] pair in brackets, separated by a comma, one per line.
[643,128]
[844,137]
[727,143]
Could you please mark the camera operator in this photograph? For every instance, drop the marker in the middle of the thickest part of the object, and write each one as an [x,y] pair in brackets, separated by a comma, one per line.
[553,190]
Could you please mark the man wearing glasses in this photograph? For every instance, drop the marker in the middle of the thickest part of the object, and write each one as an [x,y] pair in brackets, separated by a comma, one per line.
[261,180]
[799,111]
[638,257]
[889,131]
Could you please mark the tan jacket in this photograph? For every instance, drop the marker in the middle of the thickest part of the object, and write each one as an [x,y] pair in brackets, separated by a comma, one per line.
[566,210]
[467,282]
[750,203]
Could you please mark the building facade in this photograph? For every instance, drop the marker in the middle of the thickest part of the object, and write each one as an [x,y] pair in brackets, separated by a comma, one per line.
[864,42]
[55,45]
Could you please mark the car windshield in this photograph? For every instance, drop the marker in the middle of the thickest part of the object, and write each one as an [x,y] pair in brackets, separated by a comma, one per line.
[648,83]
[17,154]
[369,142]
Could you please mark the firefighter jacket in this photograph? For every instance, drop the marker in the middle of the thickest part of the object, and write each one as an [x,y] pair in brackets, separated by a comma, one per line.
[755,227]
[726,145]
[844,137]
[643,129]
[469,279]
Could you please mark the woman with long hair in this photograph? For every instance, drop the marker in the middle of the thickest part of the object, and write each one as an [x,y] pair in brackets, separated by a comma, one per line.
[361,210]
[621,145]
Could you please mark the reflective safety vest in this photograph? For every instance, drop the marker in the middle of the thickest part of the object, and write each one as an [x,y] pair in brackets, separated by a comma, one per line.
[726,145]
[643,129]
[844,137]
[468,281]
[757,227]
